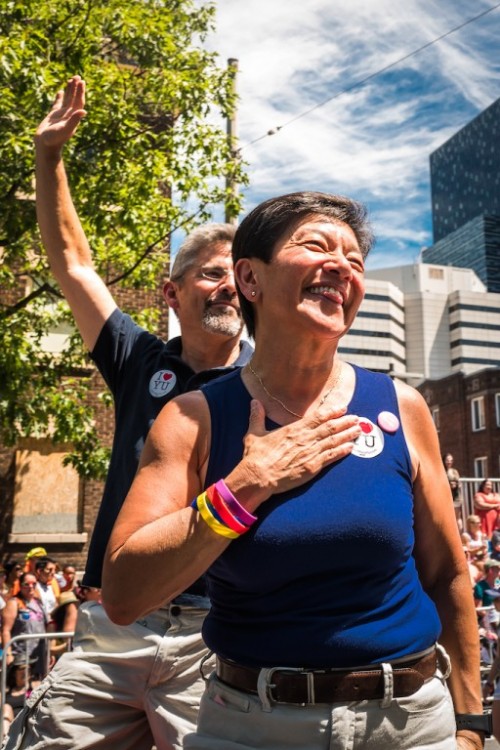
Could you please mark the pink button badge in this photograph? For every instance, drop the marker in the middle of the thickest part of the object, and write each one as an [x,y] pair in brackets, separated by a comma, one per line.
[388,421]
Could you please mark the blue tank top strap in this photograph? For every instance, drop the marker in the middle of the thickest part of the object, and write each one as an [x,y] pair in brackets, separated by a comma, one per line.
[226,397]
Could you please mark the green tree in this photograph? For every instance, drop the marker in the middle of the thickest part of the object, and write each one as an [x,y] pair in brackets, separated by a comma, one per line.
[151,156]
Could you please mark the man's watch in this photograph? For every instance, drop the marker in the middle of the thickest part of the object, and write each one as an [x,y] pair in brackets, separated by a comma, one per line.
[476,722]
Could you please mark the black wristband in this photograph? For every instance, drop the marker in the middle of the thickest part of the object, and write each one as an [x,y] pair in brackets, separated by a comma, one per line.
[475,722]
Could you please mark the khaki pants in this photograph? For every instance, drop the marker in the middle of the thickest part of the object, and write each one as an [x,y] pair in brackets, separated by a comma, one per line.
[121,688]
[233,720]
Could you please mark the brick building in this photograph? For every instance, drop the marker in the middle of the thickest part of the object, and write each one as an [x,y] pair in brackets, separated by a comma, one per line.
[466,412]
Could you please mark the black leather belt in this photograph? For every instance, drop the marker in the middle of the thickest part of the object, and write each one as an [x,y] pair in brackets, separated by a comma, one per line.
[304,686]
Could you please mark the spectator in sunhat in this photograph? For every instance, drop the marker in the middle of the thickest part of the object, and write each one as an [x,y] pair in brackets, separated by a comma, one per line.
[63,620]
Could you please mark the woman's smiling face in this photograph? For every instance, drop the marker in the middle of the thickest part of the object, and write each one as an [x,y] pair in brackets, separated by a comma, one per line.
[316,275]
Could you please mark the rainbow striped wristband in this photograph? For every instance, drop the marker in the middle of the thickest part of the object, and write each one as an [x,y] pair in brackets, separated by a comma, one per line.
[222,512]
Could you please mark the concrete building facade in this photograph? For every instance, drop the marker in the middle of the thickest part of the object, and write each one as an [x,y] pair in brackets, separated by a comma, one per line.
[422,321]
[438,328]
[377,339]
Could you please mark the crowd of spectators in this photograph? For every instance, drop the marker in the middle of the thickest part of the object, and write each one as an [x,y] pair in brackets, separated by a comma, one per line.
[37,596]
[480,532]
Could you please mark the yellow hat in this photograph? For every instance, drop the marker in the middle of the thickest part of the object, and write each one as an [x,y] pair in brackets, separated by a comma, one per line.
[36,552]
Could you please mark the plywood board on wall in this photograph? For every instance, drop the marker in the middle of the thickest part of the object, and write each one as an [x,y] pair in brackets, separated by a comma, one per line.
[46,496]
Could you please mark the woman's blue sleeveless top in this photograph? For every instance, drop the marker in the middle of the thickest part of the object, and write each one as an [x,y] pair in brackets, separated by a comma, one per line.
[326,576]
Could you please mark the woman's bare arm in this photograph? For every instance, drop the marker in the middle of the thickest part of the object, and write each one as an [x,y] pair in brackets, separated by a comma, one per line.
[440,558]
[159,544]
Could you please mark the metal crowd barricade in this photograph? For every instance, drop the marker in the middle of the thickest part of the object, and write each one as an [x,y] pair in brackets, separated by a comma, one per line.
[24,638]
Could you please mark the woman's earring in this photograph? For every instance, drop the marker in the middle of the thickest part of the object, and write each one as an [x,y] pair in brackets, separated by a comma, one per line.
[253,293]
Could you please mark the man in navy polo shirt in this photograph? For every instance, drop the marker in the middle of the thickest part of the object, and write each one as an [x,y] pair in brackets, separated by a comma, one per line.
[135,686]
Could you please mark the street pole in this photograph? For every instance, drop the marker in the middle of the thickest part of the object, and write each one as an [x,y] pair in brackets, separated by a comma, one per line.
[232,135]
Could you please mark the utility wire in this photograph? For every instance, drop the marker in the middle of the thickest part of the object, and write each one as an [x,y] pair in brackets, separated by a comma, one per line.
[371,76]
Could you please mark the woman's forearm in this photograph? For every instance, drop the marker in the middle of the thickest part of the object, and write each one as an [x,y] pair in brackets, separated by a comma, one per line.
[175,550]
[157,533]
[455,605]
[459,637]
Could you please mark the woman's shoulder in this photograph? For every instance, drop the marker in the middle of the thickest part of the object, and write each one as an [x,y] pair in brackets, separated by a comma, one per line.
[12,603]
[413,408]
[184,423]
[184,407]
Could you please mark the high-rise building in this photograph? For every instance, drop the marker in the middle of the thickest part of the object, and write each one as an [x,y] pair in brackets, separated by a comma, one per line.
[377,338]
[465,185]
[423,321]
[438,328]
[465,174]
[437,323]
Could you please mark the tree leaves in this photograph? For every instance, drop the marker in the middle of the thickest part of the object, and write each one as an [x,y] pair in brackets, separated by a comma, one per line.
[151,156]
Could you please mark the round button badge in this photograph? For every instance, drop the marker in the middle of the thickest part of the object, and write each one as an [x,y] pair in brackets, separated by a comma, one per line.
[388,421]
[162,383]
[371,441]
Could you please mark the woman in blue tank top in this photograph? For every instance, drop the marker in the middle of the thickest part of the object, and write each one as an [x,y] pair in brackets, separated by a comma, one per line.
[310,493]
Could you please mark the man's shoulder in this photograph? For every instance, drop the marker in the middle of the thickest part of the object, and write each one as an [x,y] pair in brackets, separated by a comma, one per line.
[203,377]
[127,352]
[121,328]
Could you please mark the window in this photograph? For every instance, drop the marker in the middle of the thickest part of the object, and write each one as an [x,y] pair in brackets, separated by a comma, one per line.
[481,467]
[435,416]
[436,273]
[477,414]
[46,495]
[497,409]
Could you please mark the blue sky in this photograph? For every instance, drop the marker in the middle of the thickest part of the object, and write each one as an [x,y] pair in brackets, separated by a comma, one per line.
[373,142]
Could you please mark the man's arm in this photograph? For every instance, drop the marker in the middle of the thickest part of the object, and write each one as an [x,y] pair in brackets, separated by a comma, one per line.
[63,237]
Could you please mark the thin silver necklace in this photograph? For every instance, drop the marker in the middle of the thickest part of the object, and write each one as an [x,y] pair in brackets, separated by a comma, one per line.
[284,406]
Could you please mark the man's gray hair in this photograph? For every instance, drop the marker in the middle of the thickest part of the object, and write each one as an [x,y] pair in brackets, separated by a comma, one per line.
[195,242]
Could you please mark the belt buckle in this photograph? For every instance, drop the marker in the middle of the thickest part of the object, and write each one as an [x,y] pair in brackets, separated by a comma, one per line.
[266,676]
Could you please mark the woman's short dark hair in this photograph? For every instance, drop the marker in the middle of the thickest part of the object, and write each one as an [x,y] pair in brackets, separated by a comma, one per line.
[258,233]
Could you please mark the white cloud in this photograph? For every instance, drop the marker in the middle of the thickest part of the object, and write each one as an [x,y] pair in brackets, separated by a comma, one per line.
[373,142]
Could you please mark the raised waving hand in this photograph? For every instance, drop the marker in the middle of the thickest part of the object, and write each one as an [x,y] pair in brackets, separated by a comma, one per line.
[56,129]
